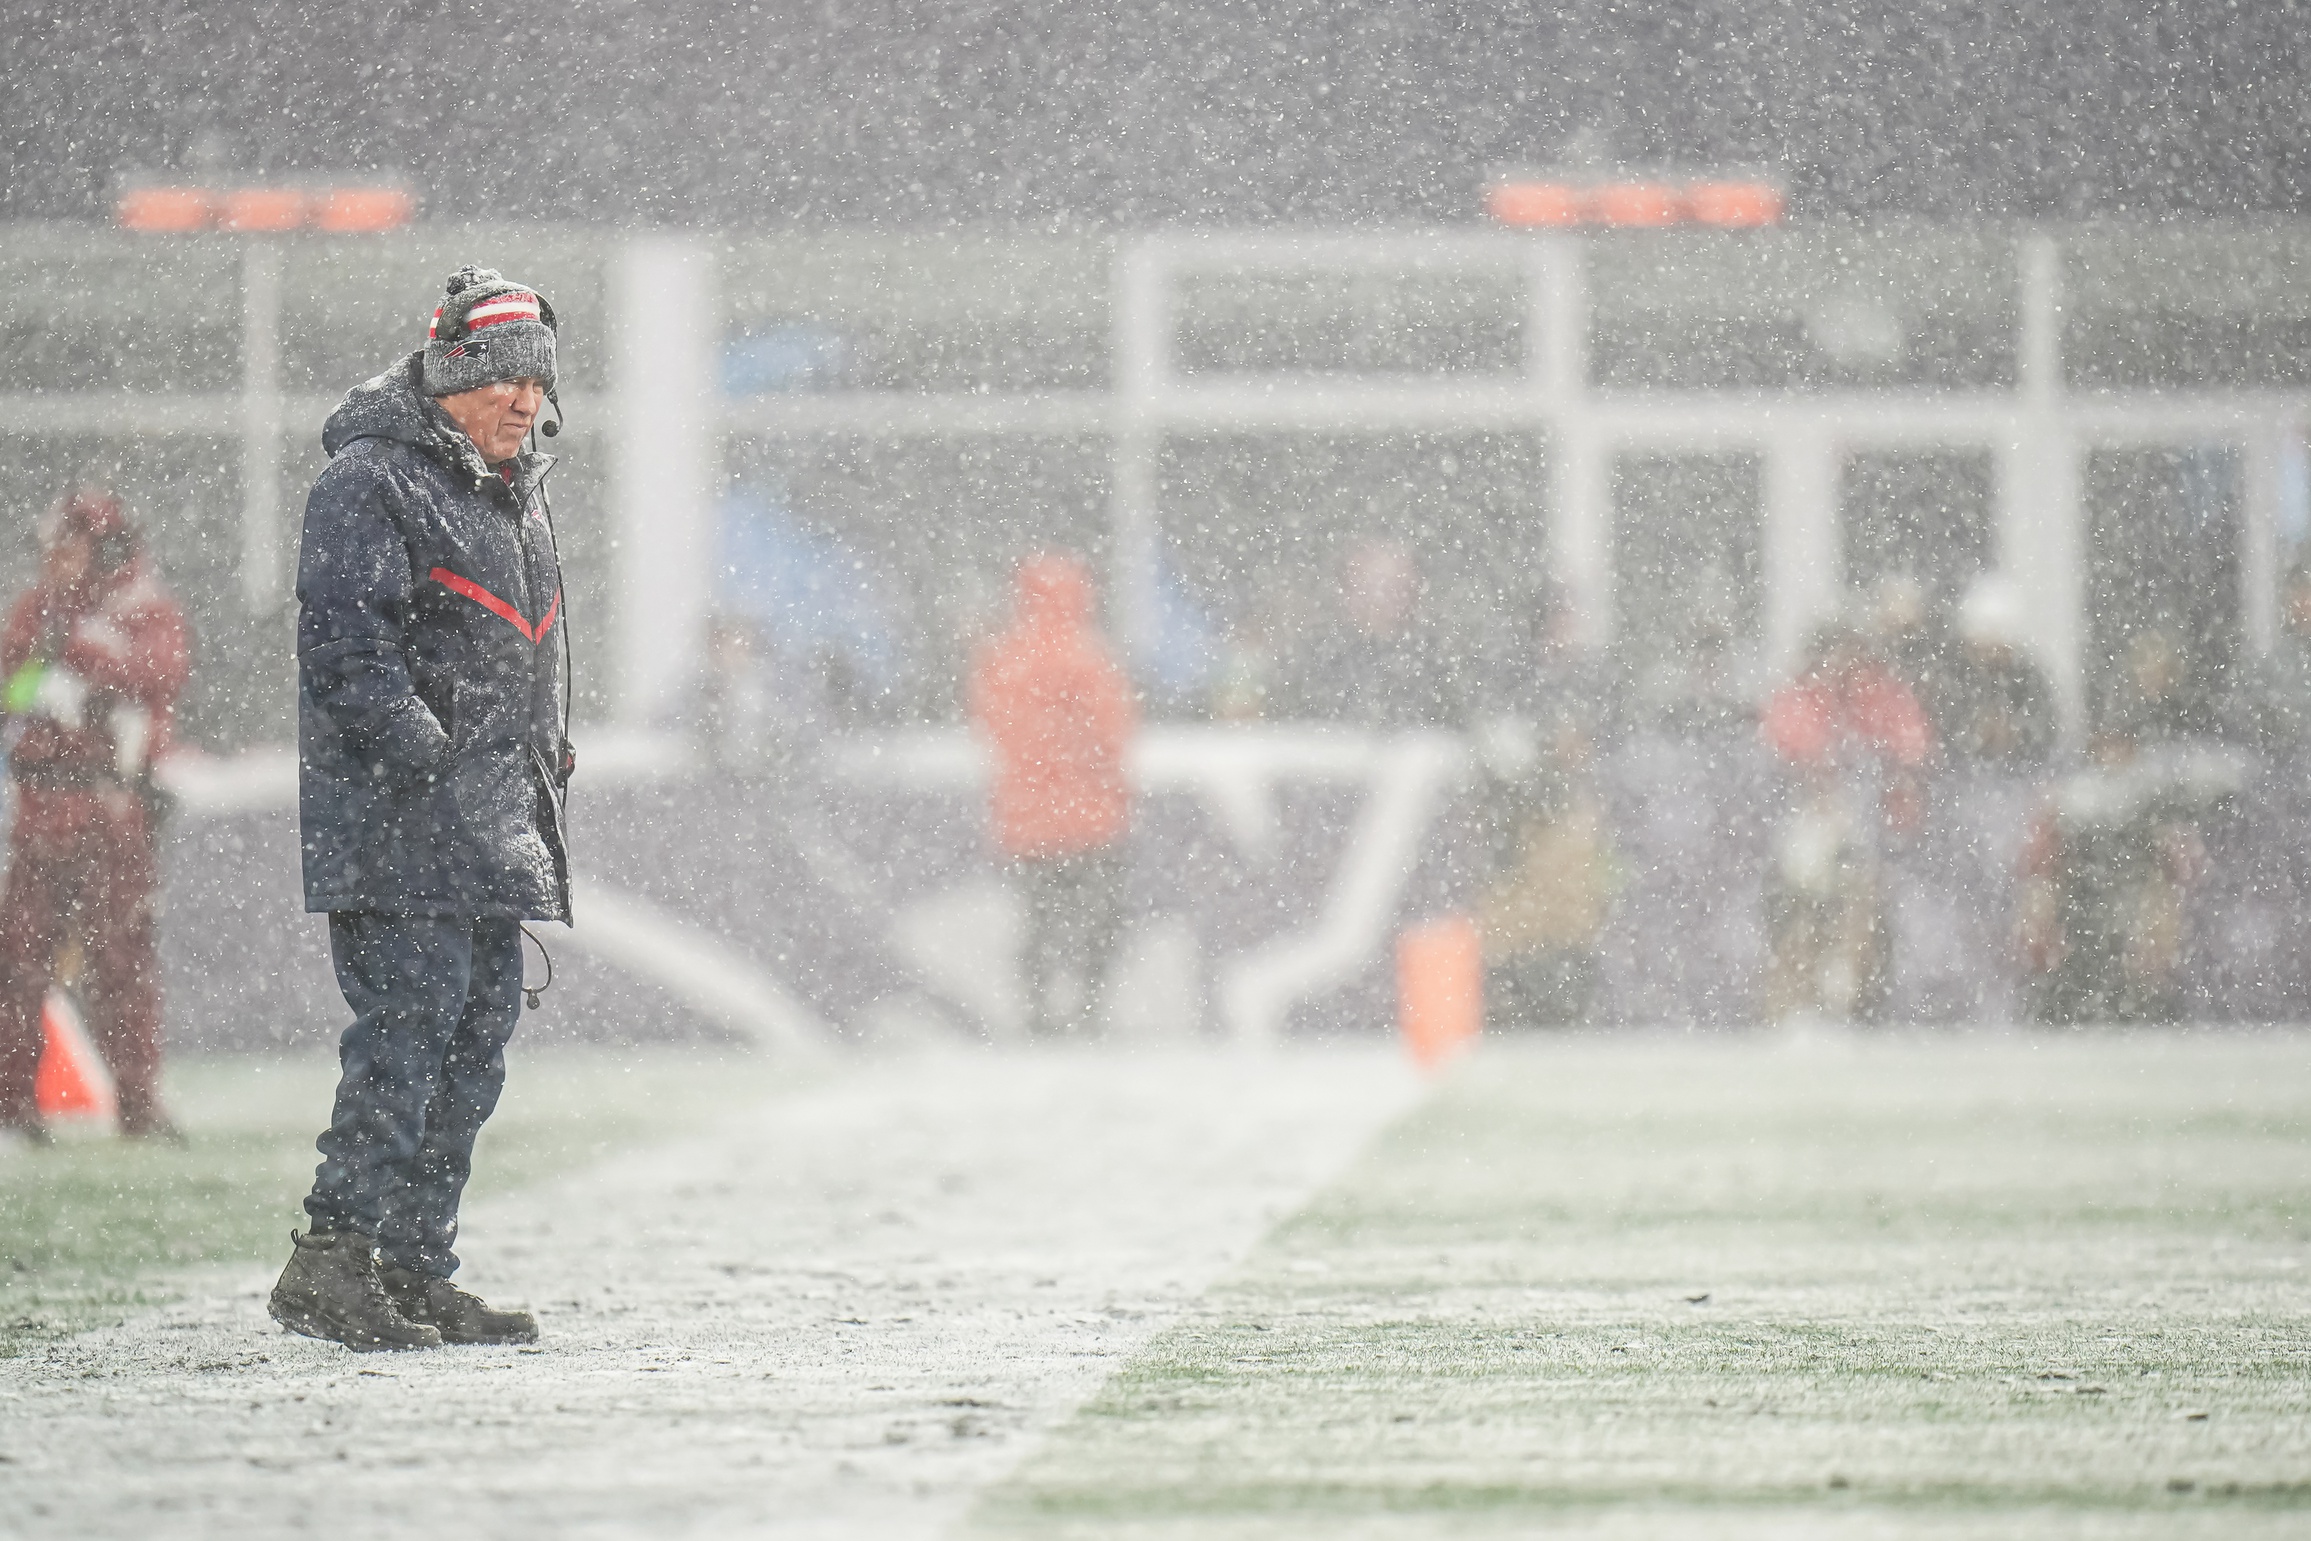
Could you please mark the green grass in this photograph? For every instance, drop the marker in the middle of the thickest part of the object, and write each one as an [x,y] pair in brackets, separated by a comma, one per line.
[98,1227]
[1958,1286]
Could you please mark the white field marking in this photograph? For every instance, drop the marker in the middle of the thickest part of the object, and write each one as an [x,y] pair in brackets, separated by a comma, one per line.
[1232,769]
[964,942]
[1235,772]
[843,1313]
[1258,989]
[710,977]
[253,780]
[266,776]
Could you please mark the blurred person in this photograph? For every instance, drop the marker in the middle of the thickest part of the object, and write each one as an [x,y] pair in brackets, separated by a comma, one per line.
[1292,619]
[844,695]
[2271,706]
[735,693]
[1534,667]
[1856,741]
[1995,706]
[2153,694]
[2106,868]
[1057,713]
[433,758]
[1703,685]
[1551,873]
[1911,634]
[1244,682]
[94,655]
[1847,709]
[1379,665]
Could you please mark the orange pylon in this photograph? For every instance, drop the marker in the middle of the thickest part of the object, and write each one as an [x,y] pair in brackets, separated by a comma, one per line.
[72,1081]
[1439,988]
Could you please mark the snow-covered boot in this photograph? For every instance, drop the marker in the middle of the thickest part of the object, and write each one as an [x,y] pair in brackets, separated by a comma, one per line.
[459,1317]
[331,1290]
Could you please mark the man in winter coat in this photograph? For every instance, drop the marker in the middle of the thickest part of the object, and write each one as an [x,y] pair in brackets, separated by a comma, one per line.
[1058,714]
[93,656]
[432,758]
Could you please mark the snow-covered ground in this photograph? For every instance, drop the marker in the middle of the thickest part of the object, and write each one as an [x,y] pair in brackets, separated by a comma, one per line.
[1758,1286]
[1912,1286]
[843,1313]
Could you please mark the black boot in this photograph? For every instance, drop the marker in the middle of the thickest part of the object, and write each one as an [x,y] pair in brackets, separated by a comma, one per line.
[457,1315]
[331,1290]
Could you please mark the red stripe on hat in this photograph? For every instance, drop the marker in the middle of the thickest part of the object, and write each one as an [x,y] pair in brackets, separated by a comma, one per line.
[502,307]
[434,325]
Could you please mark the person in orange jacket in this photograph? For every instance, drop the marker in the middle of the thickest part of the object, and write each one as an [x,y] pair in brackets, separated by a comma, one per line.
[93,656]
[1058,714]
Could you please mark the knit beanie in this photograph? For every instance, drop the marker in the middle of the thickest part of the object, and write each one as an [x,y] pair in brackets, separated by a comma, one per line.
[487,329]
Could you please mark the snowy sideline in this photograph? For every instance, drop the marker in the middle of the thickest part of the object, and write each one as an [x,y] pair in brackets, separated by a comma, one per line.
[843,1313]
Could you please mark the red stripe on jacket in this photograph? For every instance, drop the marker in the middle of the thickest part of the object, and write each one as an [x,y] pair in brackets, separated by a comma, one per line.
[498,607]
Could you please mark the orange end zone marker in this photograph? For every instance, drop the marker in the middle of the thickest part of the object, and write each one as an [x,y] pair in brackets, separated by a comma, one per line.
[1439,988]
[72,1081]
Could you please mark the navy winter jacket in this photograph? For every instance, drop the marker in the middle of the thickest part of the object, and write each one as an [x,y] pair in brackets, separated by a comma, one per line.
[430,671]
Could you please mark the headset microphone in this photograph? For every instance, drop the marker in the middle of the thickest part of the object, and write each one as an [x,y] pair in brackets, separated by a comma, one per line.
[553,428]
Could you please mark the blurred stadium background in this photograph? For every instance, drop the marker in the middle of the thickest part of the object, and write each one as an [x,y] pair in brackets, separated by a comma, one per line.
[856,318]
[840,444]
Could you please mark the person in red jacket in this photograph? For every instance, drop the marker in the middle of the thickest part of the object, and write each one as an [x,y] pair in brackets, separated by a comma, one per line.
[1857,740]
[1058,715]
[1847,705]
[93,656]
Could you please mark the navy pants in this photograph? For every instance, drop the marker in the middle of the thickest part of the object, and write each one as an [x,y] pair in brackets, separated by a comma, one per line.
[434,1001]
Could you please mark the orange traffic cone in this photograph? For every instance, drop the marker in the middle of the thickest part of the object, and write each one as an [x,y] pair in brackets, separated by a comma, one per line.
[1439,988]
[72,1081]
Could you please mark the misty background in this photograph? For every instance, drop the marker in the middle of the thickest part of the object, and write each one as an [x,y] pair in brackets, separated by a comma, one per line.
[904,115]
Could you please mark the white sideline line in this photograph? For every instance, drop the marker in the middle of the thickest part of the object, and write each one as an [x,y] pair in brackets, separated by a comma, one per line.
[1258,989]
[717,981]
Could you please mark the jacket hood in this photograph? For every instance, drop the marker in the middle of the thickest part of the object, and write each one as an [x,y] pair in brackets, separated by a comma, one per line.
[1054,593]
[391,406]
